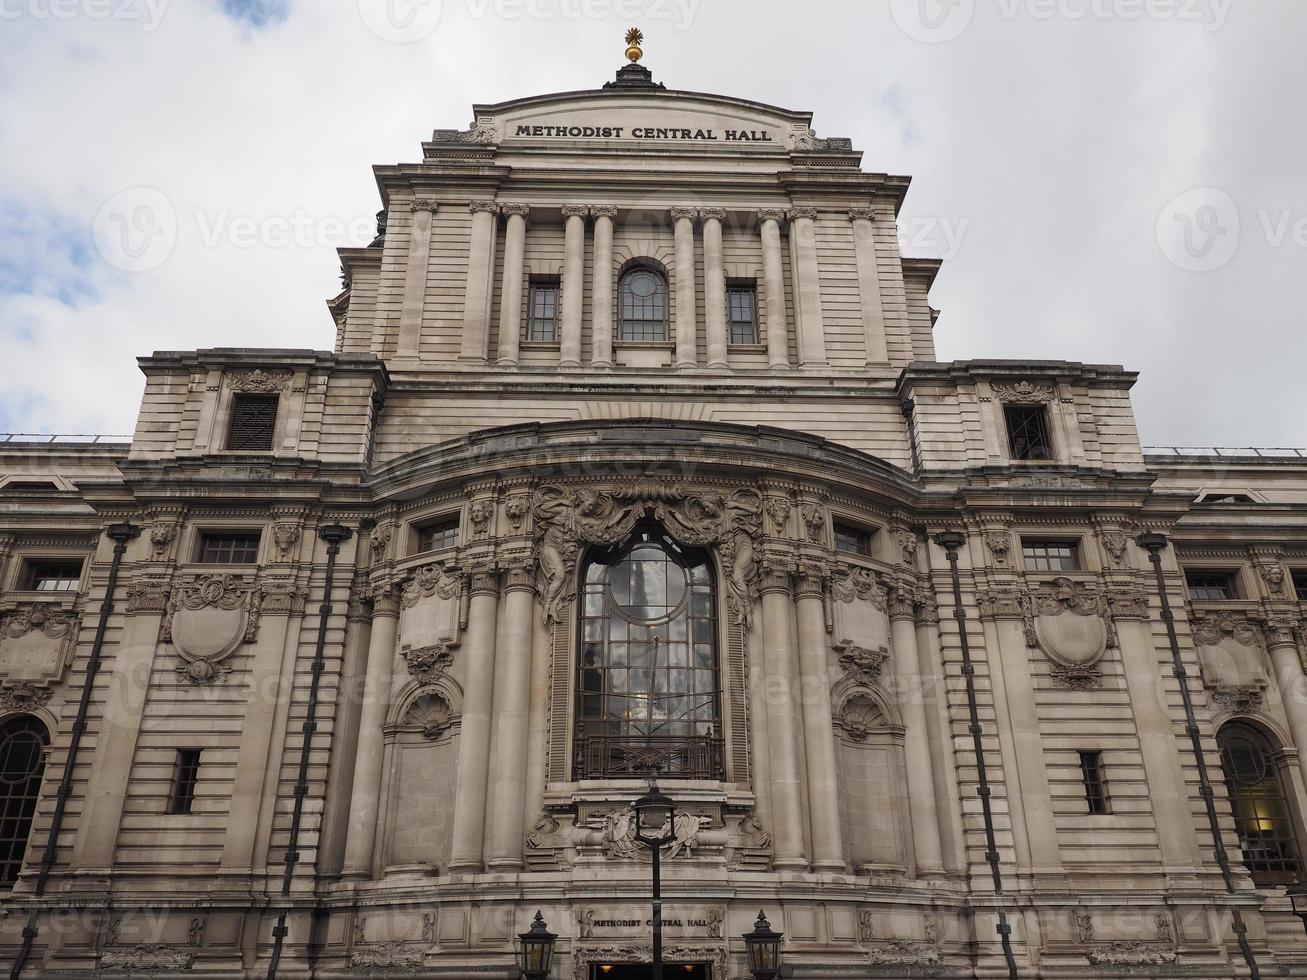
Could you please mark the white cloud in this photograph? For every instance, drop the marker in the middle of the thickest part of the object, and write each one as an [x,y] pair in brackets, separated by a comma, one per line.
[1057,143]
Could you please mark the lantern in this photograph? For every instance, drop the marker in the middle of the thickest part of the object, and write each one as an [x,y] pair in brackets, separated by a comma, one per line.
[654,813]
[537,954]
[764,948]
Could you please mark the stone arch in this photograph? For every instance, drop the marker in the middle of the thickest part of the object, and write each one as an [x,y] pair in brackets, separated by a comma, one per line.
[418,700]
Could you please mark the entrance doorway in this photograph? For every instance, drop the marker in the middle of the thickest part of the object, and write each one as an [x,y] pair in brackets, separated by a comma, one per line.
[643,971]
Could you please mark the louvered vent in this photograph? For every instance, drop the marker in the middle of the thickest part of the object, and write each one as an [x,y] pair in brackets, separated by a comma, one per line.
[253,419]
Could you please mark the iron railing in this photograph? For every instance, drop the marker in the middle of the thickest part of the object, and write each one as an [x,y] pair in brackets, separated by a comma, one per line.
[637,756]
[1231,452]
[55,439]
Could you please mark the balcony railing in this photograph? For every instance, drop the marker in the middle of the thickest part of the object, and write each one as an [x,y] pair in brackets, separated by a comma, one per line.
[1228,452]
[636,756]
[51,439]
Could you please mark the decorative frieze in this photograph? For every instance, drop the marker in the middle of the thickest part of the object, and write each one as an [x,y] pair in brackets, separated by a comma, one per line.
[1244,700]
[1131,954]
[387,956]
[148,595]
[259,381]
[146,959]
[279,597]
[903,952]
[424,204]
[1000,604]
[1213,630]
[1023,393]
[24,696]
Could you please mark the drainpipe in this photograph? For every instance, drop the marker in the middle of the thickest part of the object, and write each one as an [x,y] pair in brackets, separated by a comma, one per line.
[951,541]
[1154,544]
[335,535]
[120,534]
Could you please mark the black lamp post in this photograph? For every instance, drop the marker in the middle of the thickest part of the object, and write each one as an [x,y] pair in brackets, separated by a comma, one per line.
[537,953]
[655,819]
[764,948]
[1298,897]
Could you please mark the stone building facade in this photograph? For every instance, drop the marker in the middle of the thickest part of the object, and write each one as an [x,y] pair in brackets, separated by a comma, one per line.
[633,454]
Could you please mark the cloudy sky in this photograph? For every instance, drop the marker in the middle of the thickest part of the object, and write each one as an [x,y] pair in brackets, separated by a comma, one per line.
[1117,181]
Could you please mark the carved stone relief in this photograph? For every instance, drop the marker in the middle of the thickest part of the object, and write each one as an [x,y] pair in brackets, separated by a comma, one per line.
[619,840]
[999,544]
[259,381]
[36,645]
[431,714]
[814,523]
[907,541]
[1131,954]
[903,952]
[1115,544]
[516,509]
[567,518]
[1023,393]
[387,956]
[146,959]
[779,510]
[1231,661]
[1273,576]
[860,611]
[162,536]
[1073,628]
[432,608]
[285,537]
[208,618]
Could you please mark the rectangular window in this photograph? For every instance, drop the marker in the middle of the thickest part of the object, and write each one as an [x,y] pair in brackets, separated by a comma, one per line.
[52,575]
[1211,586]
[852,540]
[1051,556]
[1091,771]
[253,421]
[437,536]
[229,548]
[542,312]
[185,777]
[1300,583]
[1027,432]
[742,312]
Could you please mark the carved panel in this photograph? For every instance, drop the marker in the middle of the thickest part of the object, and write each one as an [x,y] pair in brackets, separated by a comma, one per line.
[859,613]
[1071,625]
[208,618]
[432,608]
[146,959]
[259,381]
[36,645]
[1023,393]
[1230,661]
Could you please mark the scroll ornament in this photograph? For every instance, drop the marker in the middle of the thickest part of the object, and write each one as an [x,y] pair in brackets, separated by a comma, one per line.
[259,382]
[567,518]
[207,620]
[146,959]
[1073,627]
[1023,392]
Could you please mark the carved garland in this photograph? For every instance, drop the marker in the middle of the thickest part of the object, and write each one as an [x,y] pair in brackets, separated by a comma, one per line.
[567,518]
[259,381]
[1023,393]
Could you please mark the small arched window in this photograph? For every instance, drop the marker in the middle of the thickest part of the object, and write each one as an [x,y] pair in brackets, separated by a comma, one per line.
[22,764]
[1261,810]
[643,308]
[647,678]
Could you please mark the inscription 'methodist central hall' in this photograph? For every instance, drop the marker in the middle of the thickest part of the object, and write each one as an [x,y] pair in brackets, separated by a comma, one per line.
[633,452]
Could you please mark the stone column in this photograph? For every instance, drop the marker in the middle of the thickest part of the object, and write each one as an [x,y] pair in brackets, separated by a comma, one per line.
[714,286]
[512,709]
[687,349]
[921,779]
[758,734]
[474,732]
[778,687]
[573,284]
[773,275]
[1287,662]
[510,294]
[480,273]
[818,729]
[948,804]
[601,354]
[366,794]
[873,310]
[415,278]
[807,275]
[537,763]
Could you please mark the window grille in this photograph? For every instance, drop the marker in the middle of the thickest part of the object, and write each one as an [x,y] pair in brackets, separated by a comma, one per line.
[22,764]
[229,548]
[1027,429]
[1259,804]
[252,424]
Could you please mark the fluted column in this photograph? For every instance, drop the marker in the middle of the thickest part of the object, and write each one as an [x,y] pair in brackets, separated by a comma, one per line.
[921,779]
[573,284]
[512,708]
[778,689]
[714,286]
[1287,663]
[415,278]
[480,275]
[873,310]
[687,343]
[818,730]
[773,277]
[807,274]
[366,794]
[510,293]
[601,354]
[474,733]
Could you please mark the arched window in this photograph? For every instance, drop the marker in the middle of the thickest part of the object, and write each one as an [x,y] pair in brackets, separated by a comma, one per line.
[647,678]
[643,305]
[22,763]
[1261,811]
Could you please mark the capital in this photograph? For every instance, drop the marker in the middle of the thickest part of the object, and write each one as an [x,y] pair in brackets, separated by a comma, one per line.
[519,577]
[771,214]
[1281,633]
[712,214]
[902,604]
[576,210]
[862,214]
[423,204]
[515,210]
[484,581]
[802,214]
[810,584]
[683,214]
[774,577]
[603,211]
[385,604]
[486,207]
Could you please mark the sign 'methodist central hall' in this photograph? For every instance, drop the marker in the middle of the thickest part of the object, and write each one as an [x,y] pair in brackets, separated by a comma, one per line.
[632,453]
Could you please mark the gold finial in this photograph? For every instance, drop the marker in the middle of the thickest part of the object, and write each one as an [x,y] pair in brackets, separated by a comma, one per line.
[634,38]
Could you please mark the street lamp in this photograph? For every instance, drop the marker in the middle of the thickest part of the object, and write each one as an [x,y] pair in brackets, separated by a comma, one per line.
[655,824]
[764,948]
[537,954]
[1298,897]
